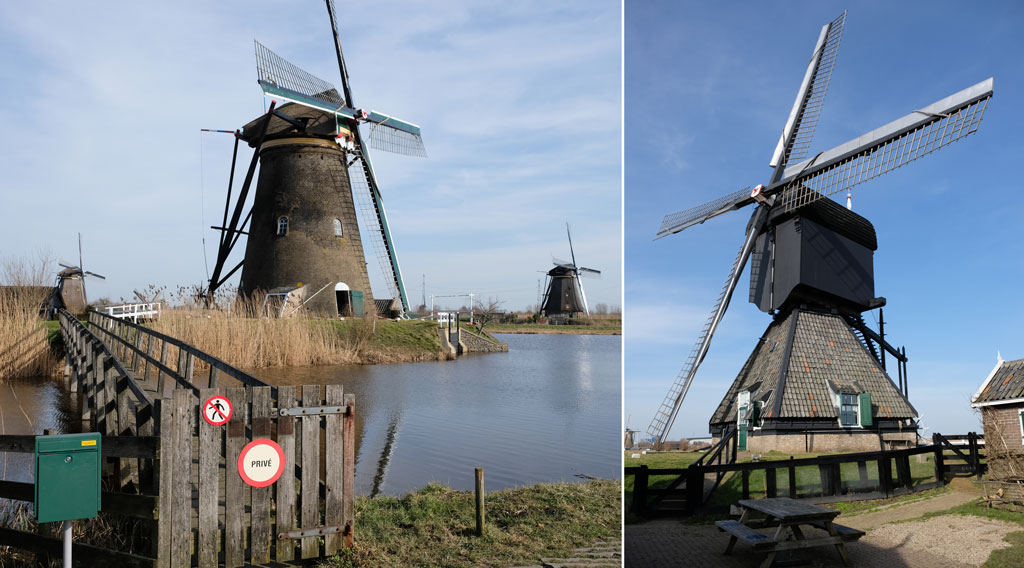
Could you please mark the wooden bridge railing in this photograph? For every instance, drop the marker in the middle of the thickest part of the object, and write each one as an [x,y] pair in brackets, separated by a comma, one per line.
[169,469]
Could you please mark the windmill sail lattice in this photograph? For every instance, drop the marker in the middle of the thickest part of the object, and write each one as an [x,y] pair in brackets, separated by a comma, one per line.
[669,408]
[804,117]
[887,148]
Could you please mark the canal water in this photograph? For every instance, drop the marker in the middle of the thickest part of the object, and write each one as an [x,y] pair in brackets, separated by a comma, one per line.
[548,410]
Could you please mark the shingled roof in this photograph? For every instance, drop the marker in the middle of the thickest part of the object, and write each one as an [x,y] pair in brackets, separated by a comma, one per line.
[1004,384]
[800,361]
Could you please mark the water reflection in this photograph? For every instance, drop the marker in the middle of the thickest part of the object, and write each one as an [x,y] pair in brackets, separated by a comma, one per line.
[547,410]
[30,406]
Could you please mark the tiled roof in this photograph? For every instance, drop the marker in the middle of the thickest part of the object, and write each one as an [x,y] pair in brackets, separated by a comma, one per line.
[1007,383]
[824,357]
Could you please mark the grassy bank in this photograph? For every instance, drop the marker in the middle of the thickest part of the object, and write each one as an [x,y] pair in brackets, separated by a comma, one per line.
[596,327]
[253,342]
[435,526]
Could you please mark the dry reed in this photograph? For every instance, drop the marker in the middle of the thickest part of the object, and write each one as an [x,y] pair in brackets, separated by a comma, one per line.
[241,337]
[24,349]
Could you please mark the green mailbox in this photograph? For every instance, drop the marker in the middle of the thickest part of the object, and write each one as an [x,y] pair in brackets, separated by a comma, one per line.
[68,470]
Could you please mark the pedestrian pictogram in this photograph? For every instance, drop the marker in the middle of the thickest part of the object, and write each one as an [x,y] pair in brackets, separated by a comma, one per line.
[217,410]
[261,462]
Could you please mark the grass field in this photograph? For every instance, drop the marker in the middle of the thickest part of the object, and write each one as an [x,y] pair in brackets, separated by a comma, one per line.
[435,526]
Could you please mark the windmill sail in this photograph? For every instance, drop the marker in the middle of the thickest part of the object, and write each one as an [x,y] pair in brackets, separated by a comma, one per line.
[284,80]
[887,148]
[676,222]
[372,218]
[666,414]
[803,118]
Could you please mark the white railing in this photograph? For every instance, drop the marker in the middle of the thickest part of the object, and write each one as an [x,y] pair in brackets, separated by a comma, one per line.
[134,311]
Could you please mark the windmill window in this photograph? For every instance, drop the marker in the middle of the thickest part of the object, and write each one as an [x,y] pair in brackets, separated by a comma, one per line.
[282,226]
[848,409]
[337,228]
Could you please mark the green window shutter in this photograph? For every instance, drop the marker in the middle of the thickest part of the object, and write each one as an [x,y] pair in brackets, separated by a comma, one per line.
[865,409]
[1022,425]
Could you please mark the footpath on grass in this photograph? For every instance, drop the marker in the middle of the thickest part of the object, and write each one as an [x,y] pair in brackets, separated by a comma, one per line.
[913,533]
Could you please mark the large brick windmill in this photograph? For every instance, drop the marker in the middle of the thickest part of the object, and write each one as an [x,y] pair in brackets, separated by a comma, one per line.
[818,367]
[315,181]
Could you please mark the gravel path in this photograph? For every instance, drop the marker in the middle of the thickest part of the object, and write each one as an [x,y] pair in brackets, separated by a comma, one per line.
[912,510]
[952,541]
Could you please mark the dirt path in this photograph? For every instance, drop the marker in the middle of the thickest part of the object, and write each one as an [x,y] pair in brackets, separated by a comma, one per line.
[903,512]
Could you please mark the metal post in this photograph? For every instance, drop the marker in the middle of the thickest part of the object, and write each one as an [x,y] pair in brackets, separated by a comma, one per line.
[67,543]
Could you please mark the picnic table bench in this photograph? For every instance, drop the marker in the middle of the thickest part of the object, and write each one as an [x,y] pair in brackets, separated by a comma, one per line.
[785,513]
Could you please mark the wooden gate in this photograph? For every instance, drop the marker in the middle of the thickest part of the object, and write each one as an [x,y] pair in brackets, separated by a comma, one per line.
[207,510]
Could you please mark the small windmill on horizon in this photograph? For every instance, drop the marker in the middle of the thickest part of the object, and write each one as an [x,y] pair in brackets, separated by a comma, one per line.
[818,367]
[564,297]
[317,203]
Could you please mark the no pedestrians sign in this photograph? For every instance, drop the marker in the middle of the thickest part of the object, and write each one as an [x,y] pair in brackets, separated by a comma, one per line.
[217,410]
[261,462]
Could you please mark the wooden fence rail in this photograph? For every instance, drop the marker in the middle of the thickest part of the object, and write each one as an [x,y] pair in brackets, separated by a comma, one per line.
[839,477]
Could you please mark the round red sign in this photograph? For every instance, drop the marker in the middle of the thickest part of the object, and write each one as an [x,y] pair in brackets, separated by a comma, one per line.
[217,410]
[261,462]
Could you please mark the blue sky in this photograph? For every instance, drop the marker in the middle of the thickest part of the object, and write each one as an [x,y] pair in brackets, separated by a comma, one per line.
[519,103]
[708,89]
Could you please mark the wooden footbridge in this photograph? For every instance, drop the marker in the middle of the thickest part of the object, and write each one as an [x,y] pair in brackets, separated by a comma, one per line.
[171,480]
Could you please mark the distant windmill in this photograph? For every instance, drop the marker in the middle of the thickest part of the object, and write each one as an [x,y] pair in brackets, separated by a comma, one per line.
[564,296]
[816,367]
[69,292]
[315,175]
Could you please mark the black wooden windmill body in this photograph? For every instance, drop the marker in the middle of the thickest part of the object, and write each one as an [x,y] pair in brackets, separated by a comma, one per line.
[564,296]
[316,188]
[817,365]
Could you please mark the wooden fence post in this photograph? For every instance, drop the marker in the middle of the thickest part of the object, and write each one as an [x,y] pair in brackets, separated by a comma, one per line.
[885,475]
[972,440]
[792,481]
[640,491]
[694,487]
[745,478]
[165,467]
[479,501]
[770,482]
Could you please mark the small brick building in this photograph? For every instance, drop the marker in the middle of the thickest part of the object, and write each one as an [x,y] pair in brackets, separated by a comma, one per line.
[1001,401]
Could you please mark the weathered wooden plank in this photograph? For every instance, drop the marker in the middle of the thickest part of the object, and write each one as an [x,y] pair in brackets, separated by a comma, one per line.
[285,487]
[84,554]
[214,377]
[160,372]
[165,469]
[136,350]
[190,365]
[149,355]
[310,483]
[234,491]
[348,498]
[260,529]
[127,504]
[127,468]
[110,392]
[181,538]
[334,512]
[210,442]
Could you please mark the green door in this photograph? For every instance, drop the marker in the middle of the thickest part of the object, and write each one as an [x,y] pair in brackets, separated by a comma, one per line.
[741,438]
[357,304]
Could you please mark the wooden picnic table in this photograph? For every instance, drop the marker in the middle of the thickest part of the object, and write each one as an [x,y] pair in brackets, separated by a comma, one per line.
[786,513]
